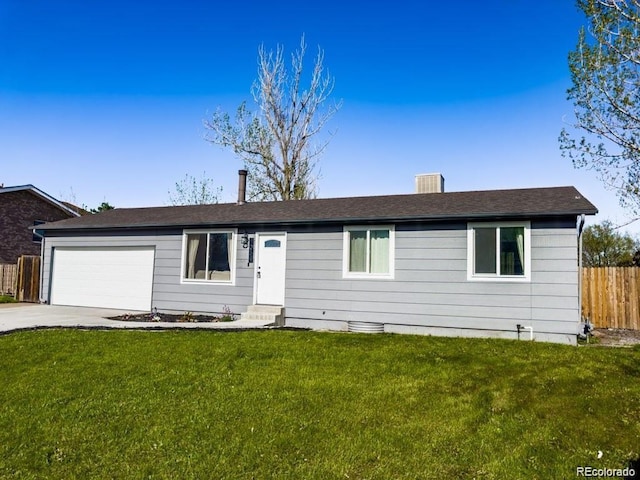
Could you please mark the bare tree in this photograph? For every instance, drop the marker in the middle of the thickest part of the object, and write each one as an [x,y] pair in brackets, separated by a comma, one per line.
[191,191]
[276,143]
[605,71]
[71,200]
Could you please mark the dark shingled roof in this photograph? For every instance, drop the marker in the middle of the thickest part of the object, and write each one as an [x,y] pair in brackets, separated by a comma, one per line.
[496,204]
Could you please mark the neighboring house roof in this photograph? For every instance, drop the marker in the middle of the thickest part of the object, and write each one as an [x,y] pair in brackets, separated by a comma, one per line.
[79,210]
[497,204]
[48,198]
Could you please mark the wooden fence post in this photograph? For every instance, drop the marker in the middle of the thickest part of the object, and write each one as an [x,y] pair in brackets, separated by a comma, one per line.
[8,279]
[28,289]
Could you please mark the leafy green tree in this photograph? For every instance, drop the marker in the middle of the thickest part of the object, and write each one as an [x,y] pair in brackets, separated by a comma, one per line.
[603,246]
[103,207]
[193,191]
[277,143]
[605,69]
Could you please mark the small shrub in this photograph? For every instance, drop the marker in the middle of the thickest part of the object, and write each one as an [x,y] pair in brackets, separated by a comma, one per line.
[154,316]
[7,299]
[227,315]
[187,317]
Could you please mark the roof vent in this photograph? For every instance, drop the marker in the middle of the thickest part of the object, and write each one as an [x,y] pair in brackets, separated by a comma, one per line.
[430,183]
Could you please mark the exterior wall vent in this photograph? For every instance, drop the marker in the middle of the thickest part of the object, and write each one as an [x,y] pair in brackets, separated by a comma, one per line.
[429,183]
[365,327]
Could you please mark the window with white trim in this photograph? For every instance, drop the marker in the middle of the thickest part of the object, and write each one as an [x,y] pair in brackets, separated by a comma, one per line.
[209,256]
[499,251]
[368,251]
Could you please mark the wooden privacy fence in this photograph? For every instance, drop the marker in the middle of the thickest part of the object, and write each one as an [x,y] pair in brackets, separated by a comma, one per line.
[611,296]
[28,285]
[8,277]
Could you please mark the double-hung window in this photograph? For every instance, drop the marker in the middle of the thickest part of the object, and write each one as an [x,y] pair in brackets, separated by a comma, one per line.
[499,251]
[368,251]
[209,256]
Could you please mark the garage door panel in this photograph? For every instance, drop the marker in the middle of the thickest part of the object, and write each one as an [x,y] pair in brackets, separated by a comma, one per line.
[103,277]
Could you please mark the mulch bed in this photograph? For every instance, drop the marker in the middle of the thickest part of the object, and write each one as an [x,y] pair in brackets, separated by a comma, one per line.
[173,318]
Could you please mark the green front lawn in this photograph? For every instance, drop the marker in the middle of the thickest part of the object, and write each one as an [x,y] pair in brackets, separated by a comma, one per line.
[306,405]
[7,299]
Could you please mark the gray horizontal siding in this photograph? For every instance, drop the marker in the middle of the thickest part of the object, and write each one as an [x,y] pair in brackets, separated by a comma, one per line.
[430,286]
[436,286]
[443,321]
[554,265]
[432,302]
[499,310]
[429,290]
[169,293]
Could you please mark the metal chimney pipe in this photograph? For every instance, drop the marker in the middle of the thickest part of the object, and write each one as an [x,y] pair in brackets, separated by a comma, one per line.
[242,186]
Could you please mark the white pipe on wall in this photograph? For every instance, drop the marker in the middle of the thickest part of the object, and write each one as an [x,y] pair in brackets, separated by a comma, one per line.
[581,219]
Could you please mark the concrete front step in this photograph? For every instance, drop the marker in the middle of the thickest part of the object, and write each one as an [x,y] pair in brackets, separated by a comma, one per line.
[277,309]
[264,313]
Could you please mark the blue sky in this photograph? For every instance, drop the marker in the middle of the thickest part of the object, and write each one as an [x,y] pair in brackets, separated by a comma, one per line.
[105,100]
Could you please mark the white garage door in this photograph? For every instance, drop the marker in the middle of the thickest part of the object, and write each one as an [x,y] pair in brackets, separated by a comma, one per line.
[103,277]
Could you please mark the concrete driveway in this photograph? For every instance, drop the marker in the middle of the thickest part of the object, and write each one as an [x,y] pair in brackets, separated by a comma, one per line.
[20,316]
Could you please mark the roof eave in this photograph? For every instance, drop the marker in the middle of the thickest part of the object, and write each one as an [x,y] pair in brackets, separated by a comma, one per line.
[341,220]
[46,197]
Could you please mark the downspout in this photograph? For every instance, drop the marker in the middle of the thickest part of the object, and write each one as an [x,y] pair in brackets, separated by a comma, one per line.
[580,229]
[41,269]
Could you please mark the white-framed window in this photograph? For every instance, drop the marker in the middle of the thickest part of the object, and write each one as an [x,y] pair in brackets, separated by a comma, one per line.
[368,251]
[499,251]
[209,256]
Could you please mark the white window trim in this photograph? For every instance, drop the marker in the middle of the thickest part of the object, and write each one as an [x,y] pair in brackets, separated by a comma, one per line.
[234,243]
[490,277]
[345,252]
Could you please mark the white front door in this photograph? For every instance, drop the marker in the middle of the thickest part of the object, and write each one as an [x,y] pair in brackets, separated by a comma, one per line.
[270,268]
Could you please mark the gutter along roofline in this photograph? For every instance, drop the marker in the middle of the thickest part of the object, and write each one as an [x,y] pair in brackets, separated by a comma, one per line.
[331,221]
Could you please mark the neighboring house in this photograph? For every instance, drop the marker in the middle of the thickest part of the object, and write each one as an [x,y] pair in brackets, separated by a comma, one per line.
[484,263]
[21,208]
